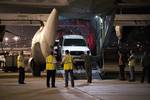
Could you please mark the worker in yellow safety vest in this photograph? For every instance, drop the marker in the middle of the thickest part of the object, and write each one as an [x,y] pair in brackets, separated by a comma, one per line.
[51,69]
[20,65]
[67,62]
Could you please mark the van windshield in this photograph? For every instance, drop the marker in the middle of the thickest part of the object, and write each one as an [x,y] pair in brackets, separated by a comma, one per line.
[74,42]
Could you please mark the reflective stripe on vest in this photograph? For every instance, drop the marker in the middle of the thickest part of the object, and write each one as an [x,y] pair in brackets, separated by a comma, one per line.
[20,61]
[68,62]
[50,60]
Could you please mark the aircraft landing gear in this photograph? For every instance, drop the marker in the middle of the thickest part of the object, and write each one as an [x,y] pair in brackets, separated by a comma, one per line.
[36,69]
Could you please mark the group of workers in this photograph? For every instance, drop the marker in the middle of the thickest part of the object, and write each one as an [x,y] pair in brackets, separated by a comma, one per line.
[51,64]
[132,63]
[68,64]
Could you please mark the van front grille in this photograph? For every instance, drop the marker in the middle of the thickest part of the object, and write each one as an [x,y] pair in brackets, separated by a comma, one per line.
[76,52]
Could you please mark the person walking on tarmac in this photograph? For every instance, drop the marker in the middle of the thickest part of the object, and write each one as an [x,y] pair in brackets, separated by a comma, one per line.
[132,64]
[88,66]
[51,69]
[21,65]
[67,62]
[145,62]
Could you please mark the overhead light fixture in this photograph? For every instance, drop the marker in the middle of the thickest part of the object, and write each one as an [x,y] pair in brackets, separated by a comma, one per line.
[96,16]
[6,39]
[16,38]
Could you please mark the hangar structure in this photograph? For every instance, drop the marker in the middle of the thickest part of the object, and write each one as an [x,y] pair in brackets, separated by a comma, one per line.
[32,13]
[20,19]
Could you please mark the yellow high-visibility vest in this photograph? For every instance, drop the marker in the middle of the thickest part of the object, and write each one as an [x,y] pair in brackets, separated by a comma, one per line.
[50,62]
[20,61]
[131,63]
[68,62]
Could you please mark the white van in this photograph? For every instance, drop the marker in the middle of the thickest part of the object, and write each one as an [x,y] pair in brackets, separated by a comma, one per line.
[76,44]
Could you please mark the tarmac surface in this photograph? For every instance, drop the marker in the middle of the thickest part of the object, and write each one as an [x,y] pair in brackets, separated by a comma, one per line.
[35,89]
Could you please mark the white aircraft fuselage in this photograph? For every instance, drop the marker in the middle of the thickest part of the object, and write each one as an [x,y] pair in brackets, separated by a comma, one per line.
[44,38]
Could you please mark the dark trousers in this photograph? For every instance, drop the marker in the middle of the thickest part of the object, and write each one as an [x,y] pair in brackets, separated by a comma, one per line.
[132,74]
[67,72]
[148,75]
[21,75]
[51,74]
[89,74]
[121,72]
[145,73]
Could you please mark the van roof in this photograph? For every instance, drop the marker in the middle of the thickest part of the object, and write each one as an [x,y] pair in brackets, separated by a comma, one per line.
[73,37]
